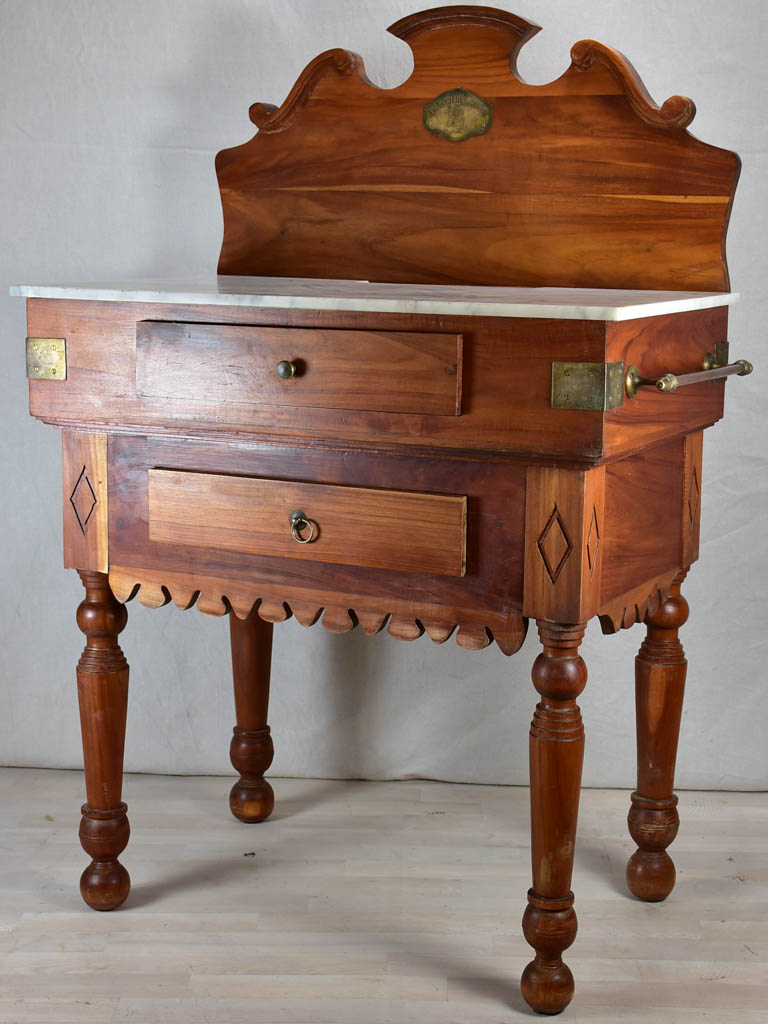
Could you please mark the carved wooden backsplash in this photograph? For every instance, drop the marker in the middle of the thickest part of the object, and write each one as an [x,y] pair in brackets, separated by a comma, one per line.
[583,182]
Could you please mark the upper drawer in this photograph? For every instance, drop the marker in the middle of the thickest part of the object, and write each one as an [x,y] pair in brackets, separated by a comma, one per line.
[361,526]
[373,371]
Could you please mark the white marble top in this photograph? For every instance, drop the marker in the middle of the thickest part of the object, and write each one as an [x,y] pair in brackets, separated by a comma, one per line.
[362,296]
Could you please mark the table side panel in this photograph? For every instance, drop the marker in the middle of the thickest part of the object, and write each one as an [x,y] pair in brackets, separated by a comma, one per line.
[643,537]
[660,345]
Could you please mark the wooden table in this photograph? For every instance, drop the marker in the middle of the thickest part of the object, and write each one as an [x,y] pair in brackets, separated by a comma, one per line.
[506,425]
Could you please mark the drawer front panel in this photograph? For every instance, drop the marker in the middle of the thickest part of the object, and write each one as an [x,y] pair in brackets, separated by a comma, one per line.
[374,371]
[404,530]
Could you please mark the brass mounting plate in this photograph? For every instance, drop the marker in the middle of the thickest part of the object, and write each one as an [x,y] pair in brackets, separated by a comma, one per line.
[595,387]
[722,356]
[46,358]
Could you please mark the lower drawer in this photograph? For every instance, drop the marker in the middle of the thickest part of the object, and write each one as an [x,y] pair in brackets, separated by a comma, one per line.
[359,526]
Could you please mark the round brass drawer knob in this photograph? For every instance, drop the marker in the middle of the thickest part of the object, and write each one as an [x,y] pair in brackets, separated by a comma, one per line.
[300,524]
[286,369]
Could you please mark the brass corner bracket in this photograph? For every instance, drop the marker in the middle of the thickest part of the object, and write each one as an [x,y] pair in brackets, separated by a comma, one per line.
[595,387]
[46,358]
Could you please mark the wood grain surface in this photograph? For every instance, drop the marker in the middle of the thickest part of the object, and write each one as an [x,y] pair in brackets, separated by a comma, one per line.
[581,182]
[620,564]
[658,345]
[693,451]
[85,503]
[556,755]
[485,604]
[643,530]
[439,489]
[660,670]
[375,371]
[102,691]
[564,543]
[506,381]
[377,529]
[251,799]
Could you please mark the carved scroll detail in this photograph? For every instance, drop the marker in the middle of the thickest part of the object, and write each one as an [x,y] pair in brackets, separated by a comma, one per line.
[675,112]
[269,118]
[460,16]
[474,633]
[359,163]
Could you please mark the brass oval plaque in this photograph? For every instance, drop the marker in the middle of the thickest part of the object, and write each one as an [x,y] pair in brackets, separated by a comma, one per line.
[458,114]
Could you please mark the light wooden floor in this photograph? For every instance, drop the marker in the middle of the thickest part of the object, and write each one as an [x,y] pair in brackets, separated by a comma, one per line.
[366,903]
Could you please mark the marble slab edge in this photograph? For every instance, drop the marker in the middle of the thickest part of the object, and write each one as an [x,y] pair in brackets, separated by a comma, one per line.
[440,307]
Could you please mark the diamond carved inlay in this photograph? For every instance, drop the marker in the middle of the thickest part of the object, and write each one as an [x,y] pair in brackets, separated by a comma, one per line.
[83,500]
[693,495]
[554,545]
[593,542]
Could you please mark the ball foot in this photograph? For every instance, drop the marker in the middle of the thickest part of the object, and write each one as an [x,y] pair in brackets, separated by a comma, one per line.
[104,885]
[549,925]
[251,800]
[104,835]
[650,875]
[547,987]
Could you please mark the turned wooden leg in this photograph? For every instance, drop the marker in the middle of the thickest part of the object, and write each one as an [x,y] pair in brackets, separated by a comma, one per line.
[251,750]
[102,690]
[659,685]
[556,755]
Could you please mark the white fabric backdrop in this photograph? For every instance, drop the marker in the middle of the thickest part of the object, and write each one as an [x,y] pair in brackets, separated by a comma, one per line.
[110,116]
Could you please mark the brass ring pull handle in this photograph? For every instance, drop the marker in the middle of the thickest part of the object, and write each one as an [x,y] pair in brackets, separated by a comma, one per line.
[286,369]
[672,381]
[299,523]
